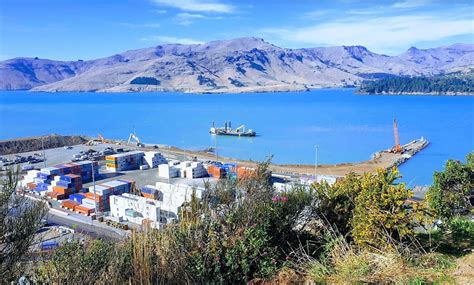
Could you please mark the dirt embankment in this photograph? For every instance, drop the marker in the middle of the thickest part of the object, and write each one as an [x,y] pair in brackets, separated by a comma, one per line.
[35,143]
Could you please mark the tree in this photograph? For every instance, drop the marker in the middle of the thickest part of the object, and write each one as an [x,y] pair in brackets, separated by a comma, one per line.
[381,215]
[452,189]
[20,219]
[336,202]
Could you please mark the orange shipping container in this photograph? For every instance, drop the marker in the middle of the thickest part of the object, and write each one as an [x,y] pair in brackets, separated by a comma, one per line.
[150,196]
[68,204]
[83,210]
[61,190]
[215,171]
[56,196]
[245,172]
[97,198]
[31,186]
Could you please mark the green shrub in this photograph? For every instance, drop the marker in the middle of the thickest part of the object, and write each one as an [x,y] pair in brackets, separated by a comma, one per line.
[462,228]
[145,81]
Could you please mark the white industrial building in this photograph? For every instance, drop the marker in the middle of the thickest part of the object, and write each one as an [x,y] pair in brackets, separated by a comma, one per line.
[136,209]
[141,210]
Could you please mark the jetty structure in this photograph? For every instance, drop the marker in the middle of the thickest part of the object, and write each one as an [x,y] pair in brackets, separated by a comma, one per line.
[228,131]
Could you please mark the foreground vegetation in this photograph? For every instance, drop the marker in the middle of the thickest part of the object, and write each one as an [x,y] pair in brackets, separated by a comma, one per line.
[446,84]
[364,228]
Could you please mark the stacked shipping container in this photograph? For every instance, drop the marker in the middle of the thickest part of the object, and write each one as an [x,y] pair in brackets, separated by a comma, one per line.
[230,170]
[153,159]
[64,185]
[42,181]
[124,161]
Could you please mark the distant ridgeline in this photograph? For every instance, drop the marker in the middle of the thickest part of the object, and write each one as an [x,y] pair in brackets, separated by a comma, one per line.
[452,84]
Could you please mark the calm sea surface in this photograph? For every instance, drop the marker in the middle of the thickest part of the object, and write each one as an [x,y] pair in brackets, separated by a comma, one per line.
[345,126]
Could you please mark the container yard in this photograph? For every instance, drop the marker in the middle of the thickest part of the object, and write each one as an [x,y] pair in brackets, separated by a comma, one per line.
[147,180]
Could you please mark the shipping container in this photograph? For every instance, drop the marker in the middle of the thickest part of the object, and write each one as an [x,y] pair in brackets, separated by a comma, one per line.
[77,197]
[81,209]
[69,204]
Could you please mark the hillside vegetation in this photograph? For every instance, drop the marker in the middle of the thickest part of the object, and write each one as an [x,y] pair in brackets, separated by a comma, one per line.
[362,229]
[454,84]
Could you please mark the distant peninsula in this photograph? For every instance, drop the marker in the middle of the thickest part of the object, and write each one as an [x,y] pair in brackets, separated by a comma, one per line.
[451,84]
[230,66]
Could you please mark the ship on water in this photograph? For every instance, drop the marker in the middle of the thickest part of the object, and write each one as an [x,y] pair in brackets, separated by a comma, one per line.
[228,131]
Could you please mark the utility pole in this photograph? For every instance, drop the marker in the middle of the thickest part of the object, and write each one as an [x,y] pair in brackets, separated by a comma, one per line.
[44,154]
[95,195]
[215,149]
[316,162]
[184,151]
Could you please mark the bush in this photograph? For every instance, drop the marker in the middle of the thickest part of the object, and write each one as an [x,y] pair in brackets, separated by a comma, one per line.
[462,228]
[76,263]
[452,188]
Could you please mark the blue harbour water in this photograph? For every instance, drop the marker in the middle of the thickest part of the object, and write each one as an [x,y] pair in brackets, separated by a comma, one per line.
[346,127]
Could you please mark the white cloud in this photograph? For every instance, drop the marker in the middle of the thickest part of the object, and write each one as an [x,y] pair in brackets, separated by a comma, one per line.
[171,40]
[197,5]
[408,4]
[380,34]
[186,19]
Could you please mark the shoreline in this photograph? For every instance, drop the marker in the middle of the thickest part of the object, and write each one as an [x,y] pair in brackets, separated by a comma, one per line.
[381,159]
[454,94]
[248,89]
[253,90]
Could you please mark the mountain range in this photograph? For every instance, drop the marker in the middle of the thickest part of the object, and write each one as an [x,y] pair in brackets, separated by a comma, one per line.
[238,65]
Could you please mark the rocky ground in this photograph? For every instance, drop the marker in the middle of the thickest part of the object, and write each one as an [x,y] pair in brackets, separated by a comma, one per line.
[36,143]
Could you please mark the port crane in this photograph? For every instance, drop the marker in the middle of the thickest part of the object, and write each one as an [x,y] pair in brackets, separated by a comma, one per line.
[134,137]
[100,138]
[242,127]
[397,148]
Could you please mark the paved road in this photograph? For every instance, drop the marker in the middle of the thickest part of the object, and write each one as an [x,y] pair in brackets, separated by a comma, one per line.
[88,229]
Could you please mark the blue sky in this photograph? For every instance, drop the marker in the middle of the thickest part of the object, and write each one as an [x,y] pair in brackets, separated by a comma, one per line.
[87,29]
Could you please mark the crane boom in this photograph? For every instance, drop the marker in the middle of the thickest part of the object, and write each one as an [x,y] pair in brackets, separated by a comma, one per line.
[241,127]
[397,147]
